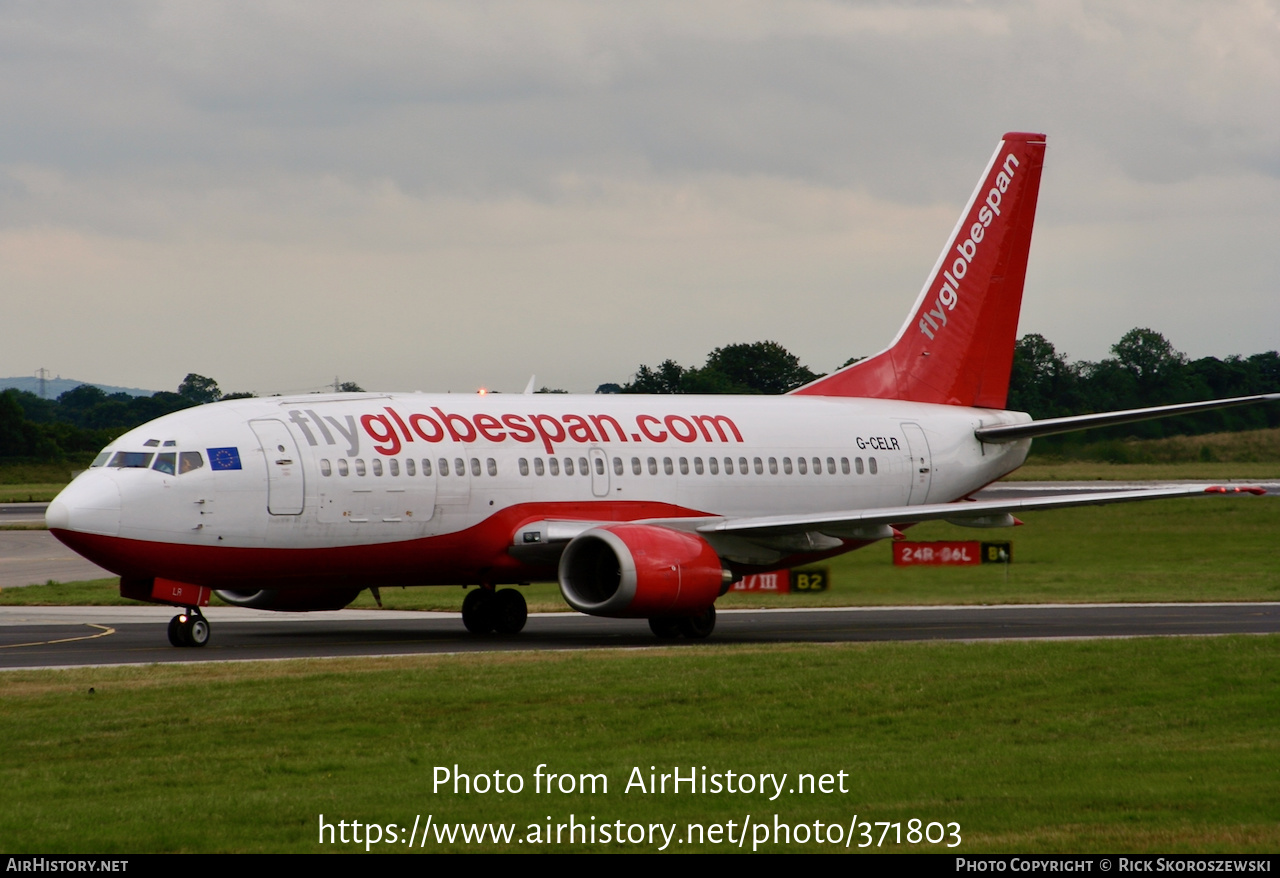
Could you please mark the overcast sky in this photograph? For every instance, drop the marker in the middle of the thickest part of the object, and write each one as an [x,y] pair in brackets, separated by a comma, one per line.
[439,196]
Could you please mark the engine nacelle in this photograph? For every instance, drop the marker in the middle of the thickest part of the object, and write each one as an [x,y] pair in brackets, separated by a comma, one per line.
[291,600]
[639,570]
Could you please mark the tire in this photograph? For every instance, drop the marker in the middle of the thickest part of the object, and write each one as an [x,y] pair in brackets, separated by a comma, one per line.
[176,635]
[478,611]
[665,627]
[509,611]
[198,631]
[699,627]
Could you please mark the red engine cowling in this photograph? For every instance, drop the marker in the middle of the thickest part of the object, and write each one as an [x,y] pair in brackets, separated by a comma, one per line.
[291,600]
[638,570]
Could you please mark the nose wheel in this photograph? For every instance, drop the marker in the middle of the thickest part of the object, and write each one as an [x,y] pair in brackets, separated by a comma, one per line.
[189,629]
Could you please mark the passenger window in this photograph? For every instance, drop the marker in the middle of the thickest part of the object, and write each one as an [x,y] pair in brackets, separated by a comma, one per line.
[191,460]
[817,466]
[684,466]
[653,466]
[801,466]
[537,466]
[635,465]
[475,466]
[617,466]
[871,464]
[759,466]
[459,466]
[844,465]
[715,466]
[444,466]
[166,463]
[668,467]
[409,469]
[555,466]
[359,466]
[426,466]
[786,465]
[831,466]
[342,466]
[773,466]
[728,466]
[583,467]
[394,466]
[377,466]
[568,466]
[325,468]
[524,466]
[697,465]
[857,465]
[491,465]
[742,465]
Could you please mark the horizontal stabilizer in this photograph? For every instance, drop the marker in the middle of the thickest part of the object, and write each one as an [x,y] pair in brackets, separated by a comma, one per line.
[1052,426]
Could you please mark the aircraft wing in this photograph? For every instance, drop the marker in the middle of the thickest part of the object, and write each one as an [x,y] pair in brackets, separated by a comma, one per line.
[878,523]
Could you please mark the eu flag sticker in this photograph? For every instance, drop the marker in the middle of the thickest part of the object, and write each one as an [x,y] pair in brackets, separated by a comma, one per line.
[224,458]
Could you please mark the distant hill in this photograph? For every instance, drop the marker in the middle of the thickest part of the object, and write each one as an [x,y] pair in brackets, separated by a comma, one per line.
[55,387]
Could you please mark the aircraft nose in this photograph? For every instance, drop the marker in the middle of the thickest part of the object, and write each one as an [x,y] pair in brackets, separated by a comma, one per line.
[90,504]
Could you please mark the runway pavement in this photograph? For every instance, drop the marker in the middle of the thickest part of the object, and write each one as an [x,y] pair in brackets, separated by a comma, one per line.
[34,557]
[70,636]
[44,637]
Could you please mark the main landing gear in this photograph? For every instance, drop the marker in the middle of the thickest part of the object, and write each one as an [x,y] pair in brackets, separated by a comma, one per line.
[697,627]
[189,629]
[485,610]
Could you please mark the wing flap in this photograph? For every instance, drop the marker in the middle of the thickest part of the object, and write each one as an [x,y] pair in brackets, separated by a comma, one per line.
[854,524]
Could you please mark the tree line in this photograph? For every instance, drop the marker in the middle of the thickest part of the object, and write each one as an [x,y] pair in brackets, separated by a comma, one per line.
[84,419]
[1144,369]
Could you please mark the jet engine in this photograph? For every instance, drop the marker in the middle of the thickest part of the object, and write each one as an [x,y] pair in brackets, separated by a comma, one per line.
[290,600]
[638,570]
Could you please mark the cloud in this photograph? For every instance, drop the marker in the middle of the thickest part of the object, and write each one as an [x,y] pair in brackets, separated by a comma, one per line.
[446,194]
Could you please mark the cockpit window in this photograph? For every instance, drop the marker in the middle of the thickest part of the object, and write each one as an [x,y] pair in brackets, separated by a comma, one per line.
[189,460]
[169,443]
[132,459]
[151,443]
[165,463]
[101,459]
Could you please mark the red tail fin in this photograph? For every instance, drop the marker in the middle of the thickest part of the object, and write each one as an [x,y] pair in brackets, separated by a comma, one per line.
[957,345]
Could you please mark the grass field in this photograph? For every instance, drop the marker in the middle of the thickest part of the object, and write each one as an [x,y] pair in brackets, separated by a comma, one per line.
[1158,745]
[30,492]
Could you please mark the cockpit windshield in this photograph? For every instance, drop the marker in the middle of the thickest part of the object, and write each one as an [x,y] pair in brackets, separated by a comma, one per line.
[132,459]
[167,462]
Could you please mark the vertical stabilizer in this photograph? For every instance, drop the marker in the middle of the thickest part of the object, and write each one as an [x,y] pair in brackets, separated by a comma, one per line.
[956,347]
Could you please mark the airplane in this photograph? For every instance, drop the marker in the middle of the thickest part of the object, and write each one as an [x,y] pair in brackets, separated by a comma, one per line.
[640,506]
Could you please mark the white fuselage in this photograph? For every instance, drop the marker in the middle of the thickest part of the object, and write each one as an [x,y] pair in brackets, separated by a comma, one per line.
[426,489]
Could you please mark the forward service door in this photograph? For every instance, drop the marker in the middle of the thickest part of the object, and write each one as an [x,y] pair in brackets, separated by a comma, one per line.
[285,485]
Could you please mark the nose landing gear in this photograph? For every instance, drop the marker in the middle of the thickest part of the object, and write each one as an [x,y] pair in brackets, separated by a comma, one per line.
[189,629]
